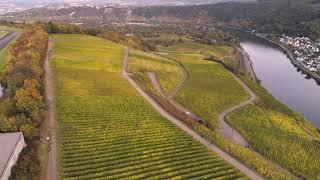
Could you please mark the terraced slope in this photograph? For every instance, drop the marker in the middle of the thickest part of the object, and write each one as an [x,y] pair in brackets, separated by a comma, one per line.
[107,131]
[168,72]
[210,89]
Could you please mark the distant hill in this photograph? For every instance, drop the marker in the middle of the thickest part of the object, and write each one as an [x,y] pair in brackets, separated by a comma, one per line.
[273,16]
[138,2]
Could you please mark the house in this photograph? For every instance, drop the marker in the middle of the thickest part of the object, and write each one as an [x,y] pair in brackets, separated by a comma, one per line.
[11,145]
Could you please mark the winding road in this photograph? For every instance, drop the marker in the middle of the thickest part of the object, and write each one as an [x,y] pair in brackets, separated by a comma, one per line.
[248,172]
[225,129]
[181,83]
[6,39]
[52,170]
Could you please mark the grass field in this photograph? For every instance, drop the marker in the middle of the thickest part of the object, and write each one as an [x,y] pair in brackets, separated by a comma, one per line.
[4,52]
[168,72]
[107,131]
[2,33]
[280,134]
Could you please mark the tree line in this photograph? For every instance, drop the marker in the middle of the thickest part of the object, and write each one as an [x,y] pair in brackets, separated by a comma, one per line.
[22,106]
[295,17]
[108,33]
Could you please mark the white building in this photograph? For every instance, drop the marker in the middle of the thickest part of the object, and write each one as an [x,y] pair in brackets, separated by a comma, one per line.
[11,145]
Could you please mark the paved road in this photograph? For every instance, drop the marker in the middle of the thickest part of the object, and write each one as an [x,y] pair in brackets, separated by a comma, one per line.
[7,38]
[248,172]
[52,170]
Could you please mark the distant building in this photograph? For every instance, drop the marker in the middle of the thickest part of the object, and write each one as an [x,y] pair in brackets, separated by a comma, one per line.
[11,145]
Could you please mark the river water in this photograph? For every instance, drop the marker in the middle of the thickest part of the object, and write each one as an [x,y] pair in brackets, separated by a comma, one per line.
[282,79]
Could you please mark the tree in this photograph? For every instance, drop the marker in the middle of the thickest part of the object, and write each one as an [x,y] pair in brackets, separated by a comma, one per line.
[52,28]
[29,100]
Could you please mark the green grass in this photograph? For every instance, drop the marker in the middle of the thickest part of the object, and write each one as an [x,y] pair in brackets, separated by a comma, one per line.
[2,33]
[7,28]
[4,52]
[188,47]
[281,135]
[168,72]
[107,131]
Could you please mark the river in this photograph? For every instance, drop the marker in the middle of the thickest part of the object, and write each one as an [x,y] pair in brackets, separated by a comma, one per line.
[282,79]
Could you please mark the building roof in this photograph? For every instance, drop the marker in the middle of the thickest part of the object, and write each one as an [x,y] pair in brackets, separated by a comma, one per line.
[8,142]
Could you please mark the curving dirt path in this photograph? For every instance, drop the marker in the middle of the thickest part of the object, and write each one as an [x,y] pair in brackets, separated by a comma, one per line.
[155,83]
[52,170]
[225,128]
[6,39]
[248,172]
[181,83]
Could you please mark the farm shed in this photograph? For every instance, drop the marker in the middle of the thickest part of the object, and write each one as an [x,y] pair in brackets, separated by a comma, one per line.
[11,145]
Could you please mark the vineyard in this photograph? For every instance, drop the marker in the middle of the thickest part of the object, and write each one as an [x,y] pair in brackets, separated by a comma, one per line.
[271,128]
[206,92]
[137,144]
[168,72]
[280,134]
[210,89]
[108,132]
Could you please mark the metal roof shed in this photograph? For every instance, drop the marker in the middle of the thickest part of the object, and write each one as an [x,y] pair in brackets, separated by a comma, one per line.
[11,145]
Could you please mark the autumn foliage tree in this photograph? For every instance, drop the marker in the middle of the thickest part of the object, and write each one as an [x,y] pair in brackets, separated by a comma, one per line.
[22,104]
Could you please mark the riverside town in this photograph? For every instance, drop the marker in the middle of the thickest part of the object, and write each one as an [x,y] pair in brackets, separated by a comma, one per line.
[306,51]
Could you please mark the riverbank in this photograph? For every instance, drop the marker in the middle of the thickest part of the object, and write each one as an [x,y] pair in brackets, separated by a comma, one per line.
[294,61]
[247,64]
[285,50]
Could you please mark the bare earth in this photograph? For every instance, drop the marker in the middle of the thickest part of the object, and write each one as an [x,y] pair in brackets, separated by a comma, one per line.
[52,170]
[248,172]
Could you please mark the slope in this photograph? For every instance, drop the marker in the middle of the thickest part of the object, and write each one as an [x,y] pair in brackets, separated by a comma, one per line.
[107,131]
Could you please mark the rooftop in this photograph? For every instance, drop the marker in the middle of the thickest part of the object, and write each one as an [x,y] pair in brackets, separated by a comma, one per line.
[8,143]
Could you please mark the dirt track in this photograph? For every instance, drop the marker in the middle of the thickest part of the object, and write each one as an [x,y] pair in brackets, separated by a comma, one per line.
[52,170]
[225,128]
[6,39]
[248,172]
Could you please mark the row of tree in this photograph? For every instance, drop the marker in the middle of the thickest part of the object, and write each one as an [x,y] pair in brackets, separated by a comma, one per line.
[199,32]
[105,32]
[23,104]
